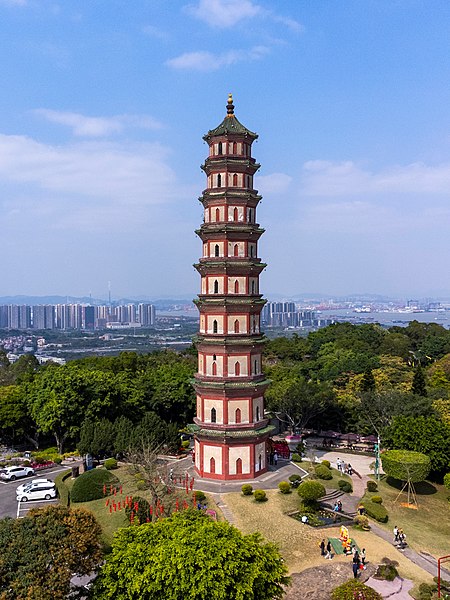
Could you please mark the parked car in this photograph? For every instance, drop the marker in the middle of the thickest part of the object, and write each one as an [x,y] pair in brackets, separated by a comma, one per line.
[12,473]
[37,491]
[33,482]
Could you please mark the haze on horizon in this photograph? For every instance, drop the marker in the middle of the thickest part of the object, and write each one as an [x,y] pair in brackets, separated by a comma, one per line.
[103,109]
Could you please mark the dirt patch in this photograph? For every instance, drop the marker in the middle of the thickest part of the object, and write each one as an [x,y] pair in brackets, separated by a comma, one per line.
[317,583]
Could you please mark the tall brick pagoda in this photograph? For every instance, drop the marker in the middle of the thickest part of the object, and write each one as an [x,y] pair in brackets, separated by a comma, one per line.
[230,429]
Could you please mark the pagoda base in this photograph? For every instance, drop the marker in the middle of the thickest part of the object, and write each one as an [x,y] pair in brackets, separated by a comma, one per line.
[230,459]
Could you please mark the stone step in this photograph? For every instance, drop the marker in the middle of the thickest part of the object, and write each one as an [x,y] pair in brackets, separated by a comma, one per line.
[332,495]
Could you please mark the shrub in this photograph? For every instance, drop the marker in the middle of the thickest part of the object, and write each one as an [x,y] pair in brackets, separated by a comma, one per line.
[63,490]
[57,460]
[110,463]
[296,457]
[284,487]
[323,472]
[26,463]
[377,499]
[185,444]
[294,477]
[260,495]
[406,464]
[349,590]
[388,572]
[326,463]
[372,486]
[362,522]
[247,489]
[376,511]
[311,491]
[426,591]
[447,480]
[89,486]
[345,486]
[143,510]
[199,496]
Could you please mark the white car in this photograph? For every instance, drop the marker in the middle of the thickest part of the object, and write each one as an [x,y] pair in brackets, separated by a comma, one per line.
[40,480]
[12,473]
[37,491]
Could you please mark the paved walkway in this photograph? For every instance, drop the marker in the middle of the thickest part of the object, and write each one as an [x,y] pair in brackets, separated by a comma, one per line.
[392,590]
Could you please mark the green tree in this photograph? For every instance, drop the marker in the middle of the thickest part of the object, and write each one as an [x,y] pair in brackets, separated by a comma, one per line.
[419,387]
[310,491]
[190,556]
[368,381]
[406,465]
[42,552]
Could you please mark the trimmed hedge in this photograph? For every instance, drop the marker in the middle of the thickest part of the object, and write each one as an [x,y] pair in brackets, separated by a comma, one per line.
[296,457]
[63,490]
[406,464]
[311,491]
[326,463]
[349,591]
[89,485]
[345,486]
[323,472]
[294,477]
[376,511]
[110,463]
[377,499]
[372,486]
[284,487]
[260,495]
[199,496]
[247,489]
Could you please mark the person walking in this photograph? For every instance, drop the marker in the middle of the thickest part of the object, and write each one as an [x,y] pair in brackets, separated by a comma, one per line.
[275,458]
[401,539]
[355,564]
[395,532]
[328,555]
[322,548]
[363,557]
[338,464]
[349,469]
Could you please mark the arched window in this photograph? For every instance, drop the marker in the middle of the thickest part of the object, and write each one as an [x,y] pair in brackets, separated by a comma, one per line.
[212,465]
[214,326]
[250,215]
[214,368]
[235,214]
[214,357]
[252,250]
[237,416]
[216,287]
[217,214]
[213,415]
[234,148]
[237,368]
[255,367]
[216,250]
[236,326]
[219,180]
[220,148]
[235,180]
[260,462]
[255,321]
[257,413]
[253,287]
[239,466]
[236,250]
[236,287]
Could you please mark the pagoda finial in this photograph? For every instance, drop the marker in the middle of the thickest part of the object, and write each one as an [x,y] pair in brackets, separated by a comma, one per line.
[230,106]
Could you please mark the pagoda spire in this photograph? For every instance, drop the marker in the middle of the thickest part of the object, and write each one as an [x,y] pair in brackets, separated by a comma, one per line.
[230,106]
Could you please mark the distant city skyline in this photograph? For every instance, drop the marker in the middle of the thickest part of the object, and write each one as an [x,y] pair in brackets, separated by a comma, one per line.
[103,110]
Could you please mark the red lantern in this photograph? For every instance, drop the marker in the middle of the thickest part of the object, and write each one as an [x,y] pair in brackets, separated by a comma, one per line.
[104,489]
[107,502]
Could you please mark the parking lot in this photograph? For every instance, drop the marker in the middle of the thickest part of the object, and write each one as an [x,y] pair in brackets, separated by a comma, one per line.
[9,507]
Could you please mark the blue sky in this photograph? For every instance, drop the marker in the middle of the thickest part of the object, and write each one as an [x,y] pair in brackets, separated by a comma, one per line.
[104,103]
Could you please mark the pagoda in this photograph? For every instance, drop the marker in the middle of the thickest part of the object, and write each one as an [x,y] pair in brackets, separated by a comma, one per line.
[231,431]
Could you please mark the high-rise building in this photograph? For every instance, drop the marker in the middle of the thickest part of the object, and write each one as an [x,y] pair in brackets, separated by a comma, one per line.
[231,431]
[146,314]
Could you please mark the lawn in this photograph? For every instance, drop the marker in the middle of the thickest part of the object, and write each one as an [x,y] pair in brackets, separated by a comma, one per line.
[427,528]
[298,543]
[330,484]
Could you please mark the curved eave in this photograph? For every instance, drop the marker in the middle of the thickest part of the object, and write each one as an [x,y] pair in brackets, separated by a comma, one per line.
[230,196]
[234,434]
[221,340]
[230,126]
[212,165]
[221,385]
[249,301]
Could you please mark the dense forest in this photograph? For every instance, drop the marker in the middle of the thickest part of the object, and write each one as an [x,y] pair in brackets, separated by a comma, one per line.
[349,378]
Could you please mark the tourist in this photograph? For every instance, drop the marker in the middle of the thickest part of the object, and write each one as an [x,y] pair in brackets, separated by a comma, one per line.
[349,469]
[339,506]
[354,550]
[336,507]
[338,464]
[363,557]
[401,539]
[395,532]
[275,458]
[355,564]
[322,548]
[305,519]
[328,554]
[361,509]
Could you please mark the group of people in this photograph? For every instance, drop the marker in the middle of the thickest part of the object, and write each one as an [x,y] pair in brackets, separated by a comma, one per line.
[326,547]
[399,538]
[338,506]
[358,560]
[344,468]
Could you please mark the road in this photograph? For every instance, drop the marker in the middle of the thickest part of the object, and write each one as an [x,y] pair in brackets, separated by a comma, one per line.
[8,502]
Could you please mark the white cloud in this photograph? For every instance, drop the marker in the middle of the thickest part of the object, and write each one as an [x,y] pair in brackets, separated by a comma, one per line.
[224,13]
[83,126]
[275,183]
[207,61]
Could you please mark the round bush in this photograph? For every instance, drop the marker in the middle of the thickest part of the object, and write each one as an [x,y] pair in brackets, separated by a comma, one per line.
[143,510]
[362,521]
[199,496]
[345,486]
[323,472]
[284,487]
[247,489]
[377,499]
[311,491]
[110,463]
[296,457]
[185,444]
[405,464]
[89,485]
[57,460]
[326,463]
[376,511]
[388,572]
[372,486]
[447,480]
[260,495]
[351,589]
[294,477]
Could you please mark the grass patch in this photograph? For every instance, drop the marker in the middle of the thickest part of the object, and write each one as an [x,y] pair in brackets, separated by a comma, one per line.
[428,528]
[330,484]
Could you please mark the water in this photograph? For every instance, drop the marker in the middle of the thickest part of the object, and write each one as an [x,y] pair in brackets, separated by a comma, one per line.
[388,319]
